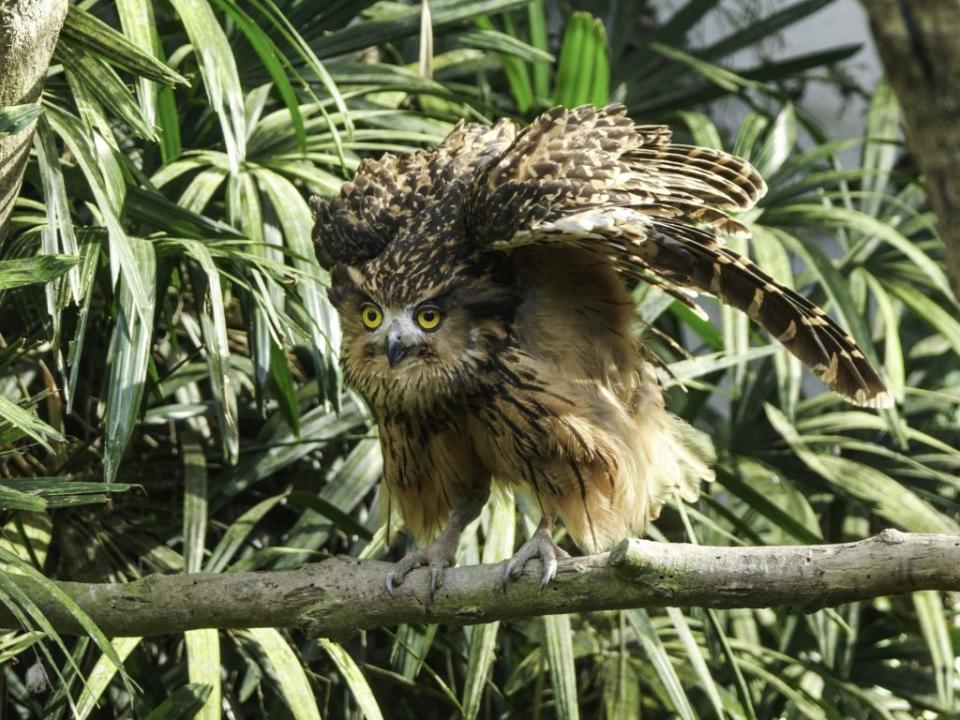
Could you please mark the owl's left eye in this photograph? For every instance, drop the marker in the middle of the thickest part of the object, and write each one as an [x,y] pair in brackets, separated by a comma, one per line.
[429,317]
[371,316]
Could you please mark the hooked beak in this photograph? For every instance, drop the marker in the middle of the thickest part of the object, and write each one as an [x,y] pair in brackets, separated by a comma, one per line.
[397,350]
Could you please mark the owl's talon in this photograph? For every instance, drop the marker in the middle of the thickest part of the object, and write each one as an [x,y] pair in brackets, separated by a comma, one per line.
[436,579]
[541,546]
[438,556]
[549,572]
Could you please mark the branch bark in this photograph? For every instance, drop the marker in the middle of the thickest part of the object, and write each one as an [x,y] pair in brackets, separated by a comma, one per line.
[340,596]
[28,34]
[918,43]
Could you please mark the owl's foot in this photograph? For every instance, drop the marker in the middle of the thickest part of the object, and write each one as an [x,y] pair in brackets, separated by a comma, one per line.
[540,545]
[438,555]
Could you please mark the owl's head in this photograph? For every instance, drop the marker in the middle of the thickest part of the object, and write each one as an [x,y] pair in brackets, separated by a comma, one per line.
[414,344]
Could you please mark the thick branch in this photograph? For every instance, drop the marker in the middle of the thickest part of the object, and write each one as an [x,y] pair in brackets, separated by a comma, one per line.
[340,596]
[918,43]
[28,34]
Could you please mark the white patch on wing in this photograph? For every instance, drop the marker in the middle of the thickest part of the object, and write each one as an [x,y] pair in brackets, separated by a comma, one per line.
[592,221]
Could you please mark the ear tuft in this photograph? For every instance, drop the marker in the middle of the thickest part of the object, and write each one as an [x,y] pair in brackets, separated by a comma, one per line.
[342,286]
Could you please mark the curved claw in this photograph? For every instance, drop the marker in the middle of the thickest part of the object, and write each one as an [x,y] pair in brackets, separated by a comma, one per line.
[549,571]
[437,556]
[509,573]
[410,561]
[540,546]
[436,579]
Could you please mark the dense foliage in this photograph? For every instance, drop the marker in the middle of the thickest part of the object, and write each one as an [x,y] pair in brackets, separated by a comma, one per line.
[170,399]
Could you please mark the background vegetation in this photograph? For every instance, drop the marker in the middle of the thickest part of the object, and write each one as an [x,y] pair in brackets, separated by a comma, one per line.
[170,400]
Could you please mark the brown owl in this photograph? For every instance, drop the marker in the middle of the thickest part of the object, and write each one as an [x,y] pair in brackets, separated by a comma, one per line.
[482,290]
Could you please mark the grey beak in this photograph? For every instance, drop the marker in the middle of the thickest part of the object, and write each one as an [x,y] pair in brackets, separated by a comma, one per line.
[397,350]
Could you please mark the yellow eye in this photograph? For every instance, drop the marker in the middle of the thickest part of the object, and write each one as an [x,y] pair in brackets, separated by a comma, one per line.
[371,316]
[429,317]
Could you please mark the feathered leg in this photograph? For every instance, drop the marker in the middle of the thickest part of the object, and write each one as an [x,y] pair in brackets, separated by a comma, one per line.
[540,545]
[442,552]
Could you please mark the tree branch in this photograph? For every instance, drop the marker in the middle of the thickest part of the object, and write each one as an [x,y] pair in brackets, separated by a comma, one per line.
[28,34]
[340,596]
[917,41]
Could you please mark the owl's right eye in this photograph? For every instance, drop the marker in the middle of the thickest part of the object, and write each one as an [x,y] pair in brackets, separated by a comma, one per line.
[371,316]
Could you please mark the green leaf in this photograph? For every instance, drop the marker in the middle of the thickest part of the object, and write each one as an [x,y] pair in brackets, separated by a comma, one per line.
[317,427]
[563,674]
[61,492]
[128,256]
[271,56]
[406,23]
[14,499]
[237,533]
[67,604]
[283,386]
[658,657]
[139,25]
[213,323]
[345,488]
[778,145]
[537,26]
[183,704]
[194,500]
[621,687]
[932,311]
[101,675]
[574,65]
[724,79]
[102,40]
[885,496]
[881,146]
[583,73]
[26,423]
[15,118]
[296,220]
[128,356]
[936,632]
[756,31]
[702,128]
[515,69]
[697,660]
[894,371]
[356,681]
[59,221]
[219,69]
[105,85]
[286,670]
[330,511]
[203,668]
[845,218]
[29,271]
[498,545]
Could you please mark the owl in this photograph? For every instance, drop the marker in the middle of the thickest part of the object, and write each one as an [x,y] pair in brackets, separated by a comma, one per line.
[483,288]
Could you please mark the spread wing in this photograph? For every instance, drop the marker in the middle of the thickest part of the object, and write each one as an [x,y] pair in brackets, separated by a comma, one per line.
[386,194]
[592,179]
